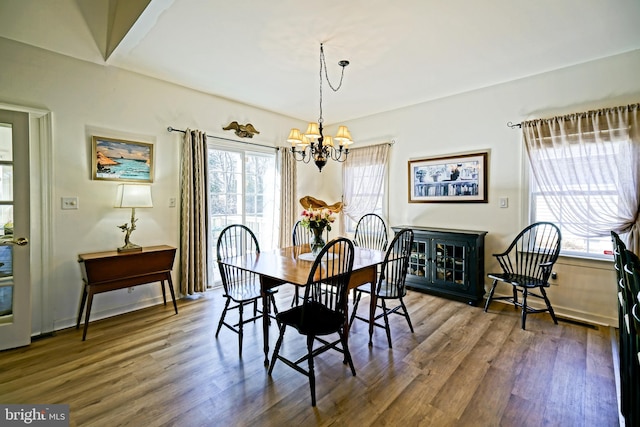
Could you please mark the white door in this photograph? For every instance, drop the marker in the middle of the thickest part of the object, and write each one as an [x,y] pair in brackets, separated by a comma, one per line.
[15,282]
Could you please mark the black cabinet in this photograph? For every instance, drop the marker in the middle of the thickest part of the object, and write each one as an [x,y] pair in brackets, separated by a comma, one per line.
[447,262]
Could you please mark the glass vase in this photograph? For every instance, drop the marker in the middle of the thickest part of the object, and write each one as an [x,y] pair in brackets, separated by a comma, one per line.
[317,242]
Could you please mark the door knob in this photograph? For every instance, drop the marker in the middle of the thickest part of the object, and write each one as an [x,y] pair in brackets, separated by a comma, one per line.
[20,241]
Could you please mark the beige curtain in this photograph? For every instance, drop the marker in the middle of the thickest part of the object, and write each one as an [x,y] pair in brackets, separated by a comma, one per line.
[193,218]
[289,208]
[587,166]
[363,178]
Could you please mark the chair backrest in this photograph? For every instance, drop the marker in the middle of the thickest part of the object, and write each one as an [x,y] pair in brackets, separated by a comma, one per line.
[393,271]
[371,232]
[533,252]
[300,235]
[328,279]
[632,282]
[619,256]
[236,240]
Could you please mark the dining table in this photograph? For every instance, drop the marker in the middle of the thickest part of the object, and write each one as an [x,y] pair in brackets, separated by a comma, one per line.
[292,265]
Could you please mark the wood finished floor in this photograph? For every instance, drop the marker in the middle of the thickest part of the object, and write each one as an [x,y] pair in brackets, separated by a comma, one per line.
[461,367]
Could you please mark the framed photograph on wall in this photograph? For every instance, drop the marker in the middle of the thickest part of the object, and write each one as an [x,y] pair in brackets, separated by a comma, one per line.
[121,160]
[456,178]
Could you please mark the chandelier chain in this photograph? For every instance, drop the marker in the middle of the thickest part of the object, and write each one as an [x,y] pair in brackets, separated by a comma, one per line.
[323,64]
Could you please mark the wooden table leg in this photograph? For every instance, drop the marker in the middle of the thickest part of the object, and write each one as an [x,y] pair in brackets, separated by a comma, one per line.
[265,284]
[360,277]
[86,317]
[173,294]
[83,300]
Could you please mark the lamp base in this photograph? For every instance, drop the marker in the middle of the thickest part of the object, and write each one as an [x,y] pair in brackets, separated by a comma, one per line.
[130,247]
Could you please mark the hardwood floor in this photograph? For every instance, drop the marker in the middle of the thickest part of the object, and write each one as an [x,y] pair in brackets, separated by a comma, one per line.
[461,367]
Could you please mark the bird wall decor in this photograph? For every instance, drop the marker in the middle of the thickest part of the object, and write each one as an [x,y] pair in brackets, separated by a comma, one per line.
[243,131]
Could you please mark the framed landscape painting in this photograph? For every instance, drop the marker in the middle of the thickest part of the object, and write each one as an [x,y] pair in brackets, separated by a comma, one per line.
[455,178]
[121,160]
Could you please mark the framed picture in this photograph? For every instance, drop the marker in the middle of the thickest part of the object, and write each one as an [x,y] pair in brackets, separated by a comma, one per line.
[455,178]
[120,160]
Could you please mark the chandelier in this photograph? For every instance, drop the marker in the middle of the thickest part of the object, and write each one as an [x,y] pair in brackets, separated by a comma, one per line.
[313,144]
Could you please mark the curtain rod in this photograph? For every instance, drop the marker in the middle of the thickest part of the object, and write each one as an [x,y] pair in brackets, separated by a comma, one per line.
[171,129]
[513,126]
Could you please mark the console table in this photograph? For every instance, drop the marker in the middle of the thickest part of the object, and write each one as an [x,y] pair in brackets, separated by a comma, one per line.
[108,271]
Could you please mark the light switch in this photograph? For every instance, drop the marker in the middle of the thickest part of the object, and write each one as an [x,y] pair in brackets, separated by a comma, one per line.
[504,202]
[69,203]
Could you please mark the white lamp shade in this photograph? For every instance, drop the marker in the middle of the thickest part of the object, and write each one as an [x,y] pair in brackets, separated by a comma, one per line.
[327,141]
[343,134]
[294,136]
[313,131]
[134,196]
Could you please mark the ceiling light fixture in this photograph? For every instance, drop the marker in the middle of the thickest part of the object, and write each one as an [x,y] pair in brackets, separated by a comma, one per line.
[313,144]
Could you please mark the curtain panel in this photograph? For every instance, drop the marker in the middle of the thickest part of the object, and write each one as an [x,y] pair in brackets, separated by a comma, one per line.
[289,209]
[363,177]
[193,215]
[587,165]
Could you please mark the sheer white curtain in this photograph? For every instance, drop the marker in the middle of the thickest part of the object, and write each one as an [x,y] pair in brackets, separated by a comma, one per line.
[289,209]
[587,166]
[363,178]
[193,216]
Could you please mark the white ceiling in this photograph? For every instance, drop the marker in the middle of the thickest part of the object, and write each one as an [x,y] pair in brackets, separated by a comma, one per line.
[266,53]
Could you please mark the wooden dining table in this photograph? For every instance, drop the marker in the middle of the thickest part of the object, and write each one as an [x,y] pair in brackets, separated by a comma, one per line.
[279,266]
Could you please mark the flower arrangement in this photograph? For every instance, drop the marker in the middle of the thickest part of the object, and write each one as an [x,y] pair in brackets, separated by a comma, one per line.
[317,219]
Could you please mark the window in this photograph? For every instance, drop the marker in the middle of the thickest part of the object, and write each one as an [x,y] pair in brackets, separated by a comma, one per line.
[577,201]
[364,194]
[242,190]
[364,180]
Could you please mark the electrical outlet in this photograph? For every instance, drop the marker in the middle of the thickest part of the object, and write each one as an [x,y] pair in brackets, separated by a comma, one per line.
[69,203]
[129,290]
[504,202]
[172,202]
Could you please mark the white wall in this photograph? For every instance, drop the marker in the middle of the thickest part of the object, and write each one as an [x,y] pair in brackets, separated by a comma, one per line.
[88,99]
[476,121]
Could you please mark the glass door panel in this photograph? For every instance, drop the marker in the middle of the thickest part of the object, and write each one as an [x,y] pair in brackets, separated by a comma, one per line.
[15,284]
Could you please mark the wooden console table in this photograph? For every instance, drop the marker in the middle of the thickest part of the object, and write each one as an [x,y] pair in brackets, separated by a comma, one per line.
[108,271]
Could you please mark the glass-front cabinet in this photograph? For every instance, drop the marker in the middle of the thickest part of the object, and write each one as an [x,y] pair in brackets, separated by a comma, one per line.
[447,262]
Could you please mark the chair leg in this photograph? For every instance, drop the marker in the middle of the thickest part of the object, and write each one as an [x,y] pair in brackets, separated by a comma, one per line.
[490,297]
[355,307]
[296,296]
[347,353]
[524,306]
[276,350]
[312,375]
[515,297]
[386,321]
[240,328]
[546,300]
[224,313]
[406,314]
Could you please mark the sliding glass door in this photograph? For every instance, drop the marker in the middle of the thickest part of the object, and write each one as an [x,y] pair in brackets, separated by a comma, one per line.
[242,190]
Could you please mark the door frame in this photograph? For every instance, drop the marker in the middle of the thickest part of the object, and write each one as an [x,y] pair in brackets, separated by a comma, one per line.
[41,228]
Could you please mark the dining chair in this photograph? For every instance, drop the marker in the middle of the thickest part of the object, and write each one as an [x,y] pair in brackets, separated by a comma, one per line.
[241,287]
[625,353]
[526,266]
[300,236]
[390,285]
[371,232]
[632,368]
[321,313]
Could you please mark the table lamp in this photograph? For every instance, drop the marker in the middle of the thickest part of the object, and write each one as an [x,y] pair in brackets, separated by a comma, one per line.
[132,196]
